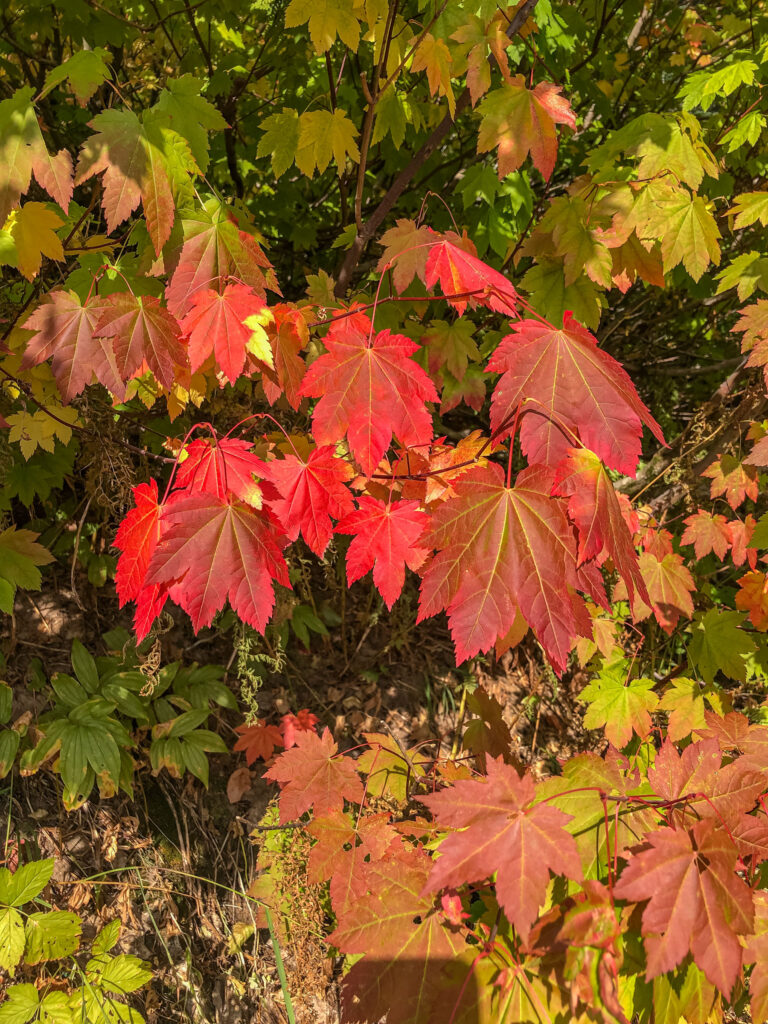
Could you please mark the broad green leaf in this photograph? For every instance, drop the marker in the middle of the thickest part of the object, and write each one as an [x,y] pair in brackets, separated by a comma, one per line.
[718,644]
[750,207]
[683,224]
[759,538]
[619,705]
[119,974]
[9,747]
[85,667]
[551,297]
[11,939]
[190,115]
[20,556]
[85,70]
[21,1004]
[107,938]
[185,723]
[702,88]
[27,882]
[747,130]
[391,118]
[195,762]
[207,740]
[684,700]
[281,139]
[747,272]
[6,702]
[51,935]
[323,135]
[55,1008]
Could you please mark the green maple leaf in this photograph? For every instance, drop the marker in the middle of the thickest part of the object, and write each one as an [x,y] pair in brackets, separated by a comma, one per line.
[671,145]
[280,140]
[683,224]
[618,705]
[323,135]
[451,345]
[702,88]
[750,207]
[20,556]
[85,71]
[391,117]
[190,114]
[747,272]
[718,644]
[747,129]
[327,20]
[568,220]
[684,700]
[550,296]
[759,538]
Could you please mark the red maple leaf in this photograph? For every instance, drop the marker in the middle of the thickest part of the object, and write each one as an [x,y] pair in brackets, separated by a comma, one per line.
[258,740]
[504,832]
[385,540]
[310,492]
[735,481]
[213,549]
[214,250]
[752,597]
[313,775]
[594,507]
[65,329]
[288,334]
[520,120]
[725,793]
[501,550]
[707,532]
[142,331]
[453,262]
[739,536]
[369,389]
[563,386]
[290,725]
[406,941]
[136,539]
[696,901]
[221,466]
[343,850]
[758,455]
[215,326]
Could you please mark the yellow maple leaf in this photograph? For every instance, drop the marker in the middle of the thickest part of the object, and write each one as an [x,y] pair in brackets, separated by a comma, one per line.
[433,56]
[258,343]
[39,430]
[327,19]
[28,235]
[323,134]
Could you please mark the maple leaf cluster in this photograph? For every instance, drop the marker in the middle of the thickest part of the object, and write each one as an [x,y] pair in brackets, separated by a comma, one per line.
[498,556]
[259,739]
[676,848]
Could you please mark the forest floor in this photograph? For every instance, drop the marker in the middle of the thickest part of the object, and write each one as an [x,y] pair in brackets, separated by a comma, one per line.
[175,862]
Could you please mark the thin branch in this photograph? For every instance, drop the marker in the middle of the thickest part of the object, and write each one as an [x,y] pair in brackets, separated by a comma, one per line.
[368,230]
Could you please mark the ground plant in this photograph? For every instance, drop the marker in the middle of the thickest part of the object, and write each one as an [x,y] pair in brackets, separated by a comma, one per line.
[436,321]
